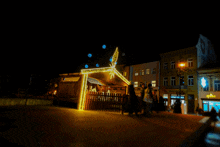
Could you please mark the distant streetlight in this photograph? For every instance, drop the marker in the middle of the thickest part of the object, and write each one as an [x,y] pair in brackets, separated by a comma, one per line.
[182,65]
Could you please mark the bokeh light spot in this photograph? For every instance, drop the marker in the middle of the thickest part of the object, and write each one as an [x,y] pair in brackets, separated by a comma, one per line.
[104,46]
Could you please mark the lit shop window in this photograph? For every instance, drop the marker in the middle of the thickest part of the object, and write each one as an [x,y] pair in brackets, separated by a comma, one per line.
[153,83]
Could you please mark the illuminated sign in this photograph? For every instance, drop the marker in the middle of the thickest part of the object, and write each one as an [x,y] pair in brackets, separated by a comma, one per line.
[203,82]
[211,96]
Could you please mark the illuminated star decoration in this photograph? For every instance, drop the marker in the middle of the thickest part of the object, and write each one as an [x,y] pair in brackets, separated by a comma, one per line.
[203,82]
[113,60]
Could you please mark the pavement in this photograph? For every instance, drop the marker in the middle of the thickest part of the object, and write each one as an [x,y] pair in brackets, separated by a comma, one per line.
[45,126]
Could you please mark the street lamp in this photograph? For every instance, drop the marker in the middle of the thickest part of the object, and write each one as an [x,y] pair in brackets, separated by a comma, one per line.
[181,65]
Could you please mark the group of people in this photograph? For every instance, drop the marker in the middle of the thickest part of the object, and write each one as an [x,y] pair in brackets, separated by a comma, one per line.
[148,100]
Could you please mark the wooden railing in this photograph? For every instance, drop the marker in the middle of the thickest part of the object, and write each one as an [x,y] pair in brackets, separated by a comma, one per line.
[104,101]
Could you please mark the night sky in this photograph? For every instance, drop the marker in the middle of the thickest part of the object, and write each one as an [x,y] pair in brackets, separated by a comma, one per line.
[58,44]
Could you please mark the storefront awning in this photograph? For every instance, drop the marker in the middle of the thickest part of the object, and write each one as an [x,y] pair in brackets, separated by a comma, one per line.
[94,81]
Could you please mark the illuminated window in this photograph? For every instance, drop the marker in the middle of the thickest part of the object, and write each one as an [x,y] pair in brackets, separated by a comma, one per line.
[136,73]
[172,65]
[217,85]
[147,71]
[142,71]
[135,84]
[153,83]
[173,82]
[190,80]
[165,66]
[190,62]
[165,81]
[125,74]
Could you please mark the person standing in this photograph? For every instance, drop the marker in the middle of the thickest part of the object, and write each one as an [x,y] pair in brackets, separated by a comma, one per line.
[213,116]
[148,98]
[142,98]
[133,100]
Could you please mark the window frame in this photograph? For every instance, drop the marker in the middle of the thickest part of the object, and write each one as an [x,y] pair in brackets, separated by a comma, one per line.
[189,80]
[216,84]
[172,65]
[153,71]
[171,81]
[166,81]
[165,63]
[190,63]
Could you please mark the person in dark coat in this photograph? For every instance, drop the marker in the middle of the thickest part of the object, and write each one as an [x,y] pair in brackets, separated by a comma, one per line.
[133,100]
[213,115]
[161,104]
[177,106]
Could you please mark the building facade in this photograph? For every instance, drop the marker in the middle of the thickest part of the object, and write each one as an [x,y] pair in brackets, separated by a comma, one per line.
[178,78]
[146,73]
[177,83]
[209,88]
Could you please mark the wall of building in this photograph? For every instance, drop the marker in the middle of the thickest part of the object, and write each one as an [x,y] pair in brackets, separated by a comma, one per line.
[145,73]
[69,89]
[210,75]
[205,51]
[183,55]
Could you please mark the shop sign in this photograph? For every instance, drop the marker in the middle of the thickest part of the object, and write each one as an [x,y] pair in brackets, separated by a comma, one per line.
[211,96]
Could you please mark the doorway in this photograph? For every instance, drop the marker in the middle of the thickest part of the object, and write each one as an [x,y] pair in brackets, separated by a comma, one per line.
[191,103]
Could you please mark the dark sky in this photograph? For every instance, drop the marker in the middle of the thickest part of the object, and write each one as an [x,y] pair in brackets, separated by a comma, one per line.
[52,44]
